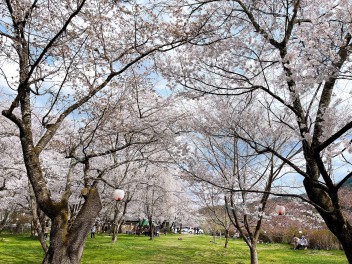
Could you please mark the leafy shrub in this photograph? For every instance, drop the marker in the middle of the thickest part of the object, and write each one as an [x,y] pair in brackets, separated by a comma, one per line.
[266,238]
[323,239]
[281,235]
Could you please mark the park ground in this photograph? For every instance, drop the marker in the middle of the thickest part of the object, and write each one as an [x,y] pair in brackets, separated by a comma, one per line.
[168,249]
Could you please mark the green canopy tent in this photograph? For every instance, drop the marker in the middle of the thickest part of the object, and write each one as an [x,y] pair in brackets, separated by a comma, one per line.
[144,222]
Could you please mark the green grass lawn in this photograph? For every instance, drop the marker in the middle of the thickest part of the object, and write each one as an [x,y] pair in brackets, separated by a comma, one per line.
[167,249]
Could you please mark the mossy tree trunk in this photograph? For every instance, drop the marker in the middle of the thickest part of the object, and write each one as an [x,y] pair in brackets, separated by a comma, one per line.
[67,241]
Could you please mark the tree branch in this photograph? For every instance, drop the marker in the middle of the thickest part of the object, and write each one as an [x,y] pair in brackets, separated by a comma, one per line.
[334,137]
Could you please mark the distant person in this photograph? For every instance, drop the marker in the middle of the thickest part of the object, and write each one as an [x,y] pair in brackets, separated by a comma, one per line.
[92,233]
[295,241]
[46,231]
[303,242]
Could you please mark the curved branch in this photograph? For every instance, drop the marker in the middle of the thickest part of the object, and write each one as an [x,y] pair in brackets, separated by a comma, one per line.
[231,190]
[344,180]
[52,41]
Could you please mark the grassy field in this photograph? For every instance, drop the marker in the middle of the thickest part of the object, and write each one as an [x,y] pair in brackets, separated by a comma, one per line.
[167,249]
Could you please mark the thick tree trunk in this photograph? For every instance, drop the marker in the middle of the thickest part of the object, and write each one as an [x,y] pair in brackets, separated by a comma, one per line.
[335,221]
[344,235]
[67,243]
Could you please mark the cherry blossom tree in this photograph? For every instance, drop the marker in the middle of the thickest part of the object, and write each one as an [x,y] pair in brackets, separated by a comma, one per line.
[136,126]
[13,180]
[11,166]
[230,171]
[129,180]
[296,55]
[65,54]
[157,196]
[213,208]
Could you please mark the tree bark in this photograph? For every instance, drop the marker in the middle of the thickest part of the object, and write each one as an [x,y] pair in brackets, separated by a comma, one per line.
[118,221]
[4,220]
[116,224]
[67,242]
[332,215]
[38,219]
[151,228]
[226,238]
[115,232]
[254,253]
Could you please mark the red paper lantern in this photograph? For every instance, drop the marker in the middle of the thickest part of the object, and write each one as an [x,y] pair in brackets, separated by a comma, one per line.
[119,194]
[280,210]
